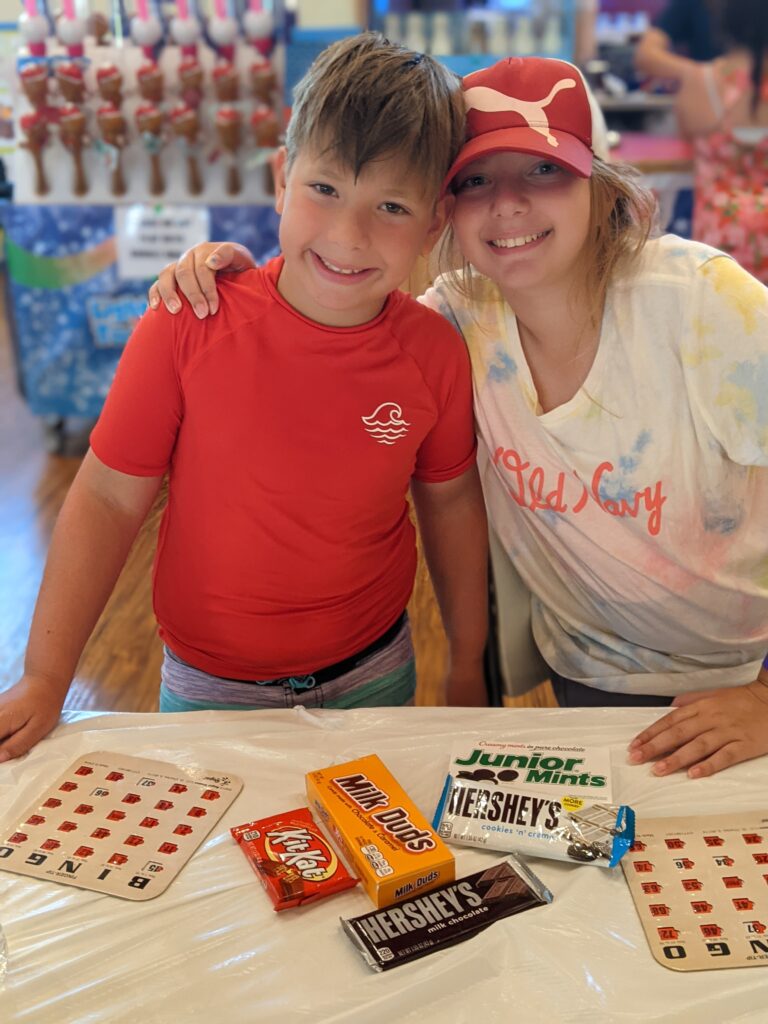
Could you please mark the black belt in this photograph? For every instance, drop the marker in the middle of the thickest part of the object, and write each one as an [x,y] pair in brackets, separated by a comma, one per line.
[340,668]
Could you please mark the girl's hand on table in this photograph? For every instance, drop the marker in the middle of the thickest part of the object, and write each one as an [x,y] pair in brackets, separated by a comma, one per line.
[195,275]
[708,730]
[28,712]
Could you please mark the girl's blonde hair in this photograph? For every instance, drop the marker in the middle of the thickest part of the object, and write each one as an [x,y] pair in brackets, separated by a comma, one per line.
[621,220]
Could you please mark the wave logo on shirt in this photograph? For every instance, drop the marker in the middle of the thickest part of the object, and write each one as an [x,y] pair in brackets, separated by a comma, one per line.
[386,424]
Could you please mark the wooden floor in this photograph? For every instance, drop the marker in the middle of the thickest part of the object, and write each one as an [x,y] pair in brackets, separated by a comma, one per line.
[119,670]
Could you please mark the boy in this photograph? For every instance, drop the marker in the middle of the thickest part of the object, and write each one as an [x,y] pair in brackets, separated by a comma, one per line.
[291,426]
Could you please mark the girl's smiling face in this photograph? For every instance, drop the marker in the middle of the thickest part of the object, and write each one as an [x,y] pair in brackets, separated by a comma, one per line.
[522,221]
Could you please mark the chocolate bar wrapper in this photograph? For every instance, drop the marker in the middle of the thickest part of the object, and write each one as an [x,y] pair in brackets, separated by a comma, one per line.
[445,916]
[533,823]
[292,858]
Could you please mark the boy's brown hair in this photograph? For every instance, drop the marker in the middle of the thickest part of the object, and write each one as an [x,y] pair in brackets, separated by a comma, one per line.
[366,99]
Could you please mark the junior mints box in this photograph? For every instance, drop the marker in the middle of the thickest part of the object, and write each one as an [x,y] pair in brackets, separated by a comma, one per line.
[387,841]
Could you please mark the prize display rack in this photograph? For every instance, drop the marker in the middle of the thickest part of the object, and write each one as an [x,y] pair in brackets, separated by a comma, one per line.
[184,113]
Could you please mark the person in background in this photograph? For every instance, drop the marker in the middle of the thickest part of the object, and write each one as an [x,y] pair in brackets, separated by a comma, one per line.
[623,427]
[723,106]
[584,31]
[683,33]
[291,427]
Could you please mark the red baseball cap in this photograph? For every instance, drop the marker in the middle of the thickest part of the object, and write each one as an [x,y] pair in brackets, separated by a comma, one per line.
[535,105]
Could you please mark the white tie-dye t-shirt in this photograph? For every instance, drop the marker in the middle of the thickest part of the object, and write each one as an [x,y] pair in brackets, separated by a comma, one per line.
[637,512]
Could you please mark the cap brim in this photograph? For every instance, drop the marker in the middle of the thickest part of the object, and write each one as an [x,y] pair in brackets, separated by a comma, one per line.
[569,152]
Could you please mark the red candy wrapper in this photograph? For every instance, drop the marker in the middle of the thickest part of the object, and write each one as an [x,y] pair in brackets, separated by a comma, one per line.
[292,858]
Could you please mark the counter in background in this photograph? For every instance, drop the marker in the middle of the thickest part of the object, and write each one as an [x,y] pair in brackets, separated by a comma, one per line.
[666,163]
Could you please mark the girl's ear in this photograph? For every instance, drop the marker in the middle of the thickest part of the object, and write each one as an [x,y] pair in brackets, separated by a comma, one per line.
[280,174]
[443,211]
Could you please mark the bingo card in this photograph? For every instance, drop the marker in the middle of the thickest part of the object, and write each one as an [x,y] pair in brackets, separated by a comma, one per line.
[117,824]
[700,886]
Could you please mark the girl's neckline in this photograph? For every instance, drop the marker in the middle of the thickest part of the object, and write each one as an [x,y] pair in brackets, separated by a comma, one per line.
[582,391]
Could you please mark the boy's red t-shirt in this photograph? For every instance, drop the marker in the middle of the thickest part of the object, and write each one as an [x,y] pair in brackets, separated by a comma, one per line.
[286,543]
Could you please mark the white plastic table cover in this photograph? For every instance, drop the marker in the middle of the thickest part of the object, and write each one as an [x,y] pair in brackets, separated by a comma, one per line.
[211,949]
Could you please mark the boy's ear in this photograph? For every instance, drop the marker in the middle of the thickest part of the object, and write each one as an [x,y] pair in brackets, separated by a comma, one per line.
[280,174]
[443,211]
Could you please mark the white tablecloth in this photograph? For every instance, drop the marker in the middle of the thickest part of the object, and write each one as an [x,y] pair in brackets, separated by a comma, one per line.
[212,949]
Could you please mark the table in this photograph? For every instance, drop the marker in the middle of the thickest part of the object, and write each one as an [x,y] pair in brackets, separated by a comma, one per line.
[211,949]
[666,163]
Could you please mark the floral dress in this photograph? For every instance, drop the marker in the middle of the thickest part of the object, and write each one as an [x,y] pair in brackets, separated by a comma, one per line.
[731,186]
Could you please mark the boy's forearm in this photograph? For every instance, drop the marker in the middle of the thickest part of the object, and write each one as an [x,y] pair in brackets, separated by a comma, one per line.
[88,549]
[454,533]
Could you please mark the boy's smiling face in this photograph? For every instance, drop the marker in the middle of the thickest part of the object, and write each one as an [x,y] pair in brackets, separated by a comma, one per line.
[349,242]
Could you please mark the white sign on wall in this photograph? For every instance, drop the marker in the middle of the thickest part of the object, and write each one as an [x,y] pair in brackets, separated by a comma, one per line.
[148,237]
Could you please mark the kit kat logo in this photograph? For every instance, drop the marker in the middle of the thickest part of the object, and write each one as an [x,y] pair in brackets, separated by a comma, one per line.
[298,848]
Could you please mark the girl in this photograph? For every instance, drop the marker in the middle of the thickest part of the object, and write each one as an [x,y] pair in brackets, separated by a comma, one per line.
[724,106]
[620,387]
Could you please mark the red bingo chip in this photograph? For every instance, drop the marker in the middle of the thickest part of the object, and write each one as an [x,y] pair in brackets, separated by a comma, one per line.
[35,819]
[117,858]
[52,801]
[68,787]
[167,848]
[100,833]
[84,770]
[134,840]
[732,881]
[84,851]
[115,815]
[67,826]
[743,904]
[18,837]
[211,794]
[197,812]
[50,844]
[149,823]
[83,809]
[163,805]
[182,830]
[115,777]
[177,787]
[131,798]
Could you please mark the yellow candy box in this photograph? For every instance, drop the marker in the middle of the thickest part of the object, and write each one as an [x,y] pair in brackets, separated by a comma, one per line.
[385,838]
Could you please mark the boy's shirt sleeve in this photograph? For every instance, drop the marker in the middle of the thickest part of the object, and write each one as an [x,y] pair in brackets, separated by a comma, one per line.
[136,432]
[725,358]
[450,447]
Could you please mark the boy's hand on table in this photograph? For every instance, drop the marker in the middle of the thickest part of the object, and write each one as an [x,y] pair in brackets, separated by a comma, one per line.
[194,274]
[28,712]
[708,730]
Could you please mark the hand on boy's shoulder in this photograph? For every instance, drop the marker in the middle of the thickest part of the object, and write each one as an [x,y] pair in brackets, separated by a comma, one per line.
[195,276]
